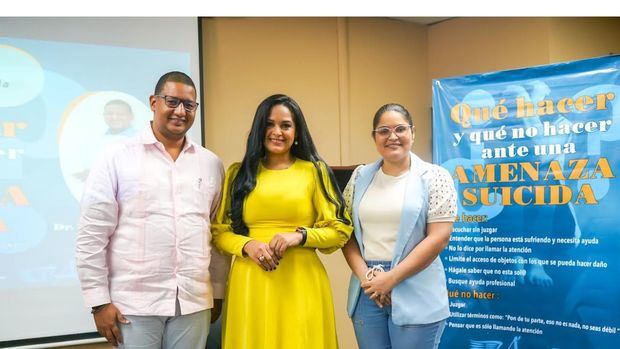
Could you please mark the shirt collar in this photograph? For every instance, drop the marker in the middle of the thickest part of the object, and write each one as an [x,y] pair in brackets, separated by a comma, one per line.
[148,137]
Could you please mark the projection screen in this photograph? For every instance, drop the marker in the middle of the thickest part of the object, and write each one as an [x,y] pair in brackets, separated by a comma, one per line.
[68,86]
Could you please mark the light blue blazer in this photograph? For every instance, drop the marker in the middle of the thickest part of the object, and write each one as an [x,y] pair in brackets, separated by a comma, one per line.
[423,297]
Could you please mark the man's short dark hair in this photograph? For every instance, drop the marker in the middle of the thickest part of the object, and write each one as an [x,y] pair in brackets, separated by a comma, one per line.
[173,76]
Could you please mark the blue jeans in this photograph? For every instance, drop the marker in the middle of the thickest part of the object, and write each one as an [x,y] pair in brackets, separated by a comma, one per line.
[374,328]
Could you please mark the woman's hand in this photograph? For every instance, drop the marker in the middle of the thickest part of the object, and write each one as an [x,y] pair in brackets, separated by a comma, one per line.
[261,254]
[280,242]
[379,288]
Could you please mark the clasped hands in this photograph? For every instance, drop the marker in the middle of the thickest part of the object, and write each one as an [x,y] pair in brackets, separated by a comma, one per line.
[378,286]
[268,256]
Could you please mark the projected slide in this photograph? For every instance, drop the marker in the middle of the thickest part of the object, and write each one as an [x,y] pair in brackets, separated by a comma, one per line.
[60,103]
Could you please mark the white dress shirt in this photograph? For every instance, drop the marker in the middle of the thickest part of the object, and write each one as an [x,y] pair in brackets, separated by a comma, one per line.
[144,234]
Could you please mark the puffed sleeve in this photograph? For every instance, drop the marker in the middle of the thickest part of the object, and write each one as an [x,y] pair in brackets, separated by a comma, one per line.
[441,196]
[329,233]
[347,193]
[225,239]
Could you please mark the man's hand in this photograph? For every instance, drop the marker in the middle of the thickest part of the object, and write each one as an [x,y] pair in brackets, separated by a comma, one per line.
[217,310]
[105,320]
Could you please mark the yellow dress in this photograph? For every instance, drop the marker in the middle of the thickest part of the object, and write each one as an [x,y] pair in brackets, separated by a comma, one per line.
[291,307]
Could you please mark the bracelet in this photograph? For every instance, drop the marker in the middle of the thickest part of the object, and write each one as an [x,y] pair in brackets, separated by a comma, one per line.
[95,310]
[304,235]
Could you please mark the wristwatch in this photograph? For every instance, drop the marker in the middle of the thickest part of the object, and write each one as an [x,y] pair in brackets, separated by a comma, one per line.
[304,235]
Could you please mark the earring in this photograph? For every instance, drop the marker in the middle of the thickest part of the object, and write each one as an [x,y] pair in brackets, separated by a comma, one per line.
[296,143]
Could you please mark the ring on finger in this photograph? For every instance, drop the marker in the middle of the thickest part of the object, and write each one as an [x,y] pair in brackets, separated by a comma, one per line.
[261,258]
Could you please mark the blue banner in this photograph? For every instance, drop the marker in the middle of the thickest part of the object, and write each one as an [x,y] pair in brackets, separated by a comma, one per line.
[534,259]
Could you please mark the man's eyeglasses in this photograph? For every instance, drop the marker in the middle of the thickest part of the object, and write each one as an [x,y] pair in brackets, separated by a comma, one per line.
[174,102]
[385,131]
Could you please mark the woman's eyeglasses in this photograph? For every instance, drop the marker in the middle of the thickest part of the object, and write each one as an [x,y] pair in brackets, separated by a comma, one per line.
[385,131]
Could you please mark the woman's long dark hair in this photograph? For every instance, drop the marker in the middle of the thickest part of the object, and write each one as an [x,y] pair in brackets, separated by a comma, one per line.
[245,181]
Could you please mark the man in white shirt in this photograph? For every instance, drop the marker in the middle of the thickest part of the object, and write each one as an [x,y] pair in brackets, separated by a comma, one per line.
[144,254]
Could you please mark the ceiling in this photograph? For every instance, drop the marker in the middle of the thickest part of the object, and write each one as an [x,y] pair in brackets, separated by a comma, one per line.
[422,20]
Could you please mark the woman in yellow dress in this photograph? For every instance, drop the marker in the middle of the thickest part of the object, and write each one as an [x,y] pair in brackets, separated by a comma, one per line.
[279,205]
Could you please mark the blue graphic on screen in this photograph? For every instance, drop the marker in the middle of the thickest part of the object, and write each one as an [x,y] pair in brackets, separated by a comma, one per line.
[60,103]
[533,260]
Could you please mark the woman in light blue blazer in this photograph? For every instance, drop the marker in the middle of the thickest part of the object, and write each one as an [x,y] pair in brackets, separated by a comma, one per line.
[403,209]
